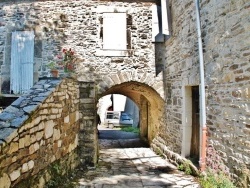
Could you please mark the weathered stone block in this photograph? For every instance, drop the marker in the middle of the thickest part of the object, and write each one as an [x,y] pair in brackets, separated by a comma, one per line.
[39,135]
[31,164]
[27,140]
[66,119]
[44,111]
[13,147]
[6,116]
[72,117]
[17,122]
[8,134]
[34,129]
[29,109]
[15,174]
[5,181]
[57,134]
[54,111]
[49,127]
[33,148]
[59,143]
[21,143]
[25,167]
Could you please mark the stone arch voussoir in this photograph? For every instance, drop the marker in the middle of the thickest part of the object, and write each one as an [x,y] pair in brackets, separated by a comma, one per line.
[145,90]
[149,79]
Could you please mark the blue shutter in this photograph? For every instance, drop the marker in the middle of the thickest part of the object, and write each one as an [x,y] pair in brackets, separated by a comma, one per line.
[22,60]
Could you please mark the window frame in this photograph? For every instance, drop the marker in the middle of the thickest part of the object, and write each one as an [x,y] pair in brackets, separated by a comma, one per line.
[114,38]
[100,51]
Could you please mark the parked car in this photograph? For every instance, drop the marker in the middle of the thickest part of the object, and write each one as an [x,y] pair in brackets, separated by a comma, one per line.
[112,118]
[116,118]
[125,119]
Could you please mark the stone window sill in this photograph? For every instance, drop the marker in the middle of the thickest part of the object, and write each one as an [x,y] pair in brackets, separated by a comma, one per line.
[114,53]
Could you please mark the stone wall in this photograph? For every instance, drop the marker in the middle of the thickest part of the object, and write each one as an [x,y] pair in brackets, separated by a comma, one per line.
[78,25]
[227,54]
[88,141]
[38,130]
[225,34]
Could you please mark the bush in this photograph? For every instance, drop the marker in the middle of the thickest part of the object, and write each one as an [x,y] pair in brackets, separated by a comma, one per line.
[185,167]
[214,180]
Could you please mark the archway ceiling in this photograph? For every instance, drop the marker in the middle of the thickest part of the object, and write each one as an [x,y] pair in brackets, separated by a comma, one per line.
[134,90]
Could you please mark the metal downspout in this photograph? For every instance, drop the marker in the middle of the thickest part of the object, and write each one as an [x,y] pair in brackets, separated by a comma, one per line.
[203,127]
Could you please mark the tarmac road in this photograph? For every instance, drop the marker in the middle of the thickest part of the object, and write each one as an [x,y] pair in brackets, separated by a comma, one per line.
[119,139]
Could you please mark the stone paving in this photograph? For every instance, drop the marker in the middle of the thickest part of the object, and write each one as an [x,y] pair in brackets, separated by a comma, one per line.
[134,167]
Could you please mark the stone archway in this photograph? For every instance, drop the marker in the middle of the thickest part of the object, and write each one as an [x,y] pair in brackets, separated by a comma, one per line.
[150,103]
[143,88]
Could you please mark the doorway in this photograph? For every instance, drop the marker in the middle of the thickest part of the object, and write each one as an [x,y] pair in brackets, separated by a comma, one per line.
[191,124]
[195,137]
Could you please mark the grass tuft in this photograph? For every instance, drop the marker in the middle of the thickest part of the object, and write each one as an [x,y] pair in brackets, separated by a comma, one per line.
[130,129]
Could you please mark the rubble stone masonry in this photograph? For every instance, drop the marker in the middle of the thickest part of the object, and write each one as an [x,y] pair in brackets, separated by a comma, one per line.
[79,25]
[39,130]
[225,27]
[227,53]
[59,24]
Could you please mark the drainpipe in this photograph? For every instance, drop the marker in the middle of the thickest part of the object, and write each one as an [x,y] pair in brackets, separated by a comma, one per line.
[203,127]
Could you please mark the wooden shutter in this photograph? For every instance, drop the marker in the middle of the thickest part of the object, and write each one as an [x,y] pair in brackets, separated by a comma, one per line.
[22,60]
[114,31]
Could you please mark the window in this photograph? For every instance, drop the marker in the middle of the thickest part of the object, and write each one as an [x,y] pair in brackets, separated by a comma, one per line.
[22,60]
[114,31]
[113,115]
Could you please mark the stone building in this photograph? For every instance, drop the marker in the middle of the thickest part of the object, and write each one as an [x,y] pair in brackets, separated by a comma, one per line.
[148,51]
[226,46]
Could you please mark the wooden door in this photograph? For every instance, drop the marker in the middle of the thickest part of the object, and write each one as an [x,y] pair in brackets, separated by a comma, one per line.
[195,139]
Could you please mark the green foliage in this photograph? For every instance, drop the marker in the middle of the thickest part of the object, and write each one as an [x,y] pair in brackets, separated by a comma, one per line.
[130,129]
[51,65]
[215,180]
[55,171]
[185,167]
[58,179]
[159,152]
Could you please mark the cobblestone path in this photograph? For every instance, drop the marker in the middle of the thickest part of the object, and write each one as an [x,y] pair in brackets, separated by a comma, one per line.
[134,167]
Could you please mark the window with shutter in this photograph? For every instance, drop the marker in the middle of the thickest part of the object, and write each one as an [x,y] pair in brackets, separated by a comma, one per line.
[22,60]
[114,31]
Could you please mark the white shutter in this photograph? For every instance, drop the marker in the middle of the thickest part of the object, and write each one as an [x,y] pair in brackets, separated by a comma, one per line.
[22,60]
[164,13]
[114,31]
[157,35]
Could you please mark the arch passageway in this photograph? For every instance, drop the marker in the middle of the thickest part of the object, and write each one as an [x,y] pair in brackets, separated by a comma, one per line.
[149,102]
